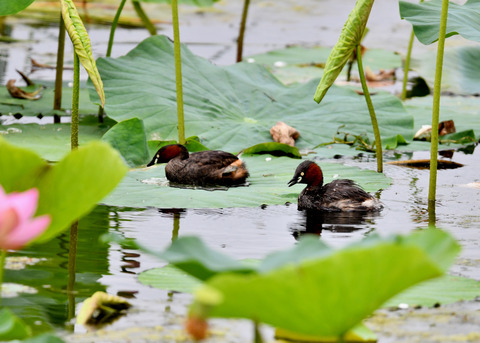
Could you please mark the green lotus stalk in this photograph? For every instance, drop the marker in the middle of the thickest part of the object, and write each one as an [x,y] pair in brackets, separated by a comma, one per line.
[436,107]
[57,99]
[350,38]
[144,18]
[114,27]
[72,266]
[3,256]
[110,46]
[406,67]
[81,43]
[241,34]
[178,72]
[371,110]
[75,102]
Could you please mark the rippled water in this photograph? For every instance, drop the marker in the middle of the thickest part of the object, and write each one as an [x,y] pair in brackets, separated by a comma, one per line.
[239,232]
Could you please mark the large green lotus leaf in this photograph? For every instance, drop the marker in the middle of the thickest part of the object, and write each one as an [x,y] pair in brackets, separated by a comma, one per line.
[330,295]
[425,18]
[233,107]
[44,106]
[445,290]
[70,188]
[8,7]
[52,141]
[128,137]
[267,185]
[300,64]
[461,73]
[12,327]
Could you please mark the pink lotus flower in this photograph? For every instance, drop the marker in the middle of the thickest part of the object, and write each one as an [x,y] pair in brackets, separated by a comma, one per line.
[17,225]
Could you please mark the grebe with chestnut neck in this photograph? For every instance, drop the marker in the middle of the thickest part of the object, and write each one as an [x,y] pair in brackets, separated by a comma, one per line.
[203,168]
[338,195]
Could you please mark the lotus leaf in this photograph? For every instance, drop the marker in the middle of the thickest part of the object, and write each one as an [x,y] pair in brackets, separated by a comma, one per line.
[43,106]
[425,18]
[233,107]
[302,288]
[12,327]
[8,7]
[460,73]
[70,188]
[350,38]
[305,297]
[267,185]
[300,64]
[81,43]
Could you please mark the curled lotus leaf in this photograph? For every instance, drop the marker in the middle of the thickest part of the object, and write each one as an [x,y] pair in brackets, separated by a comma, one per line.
[81,43]
[101,308]
[350,37]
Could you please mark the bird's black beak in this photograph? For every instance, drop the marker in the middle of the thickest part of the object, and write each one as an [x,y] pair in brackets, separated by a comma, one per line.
[293,181]
[153,161]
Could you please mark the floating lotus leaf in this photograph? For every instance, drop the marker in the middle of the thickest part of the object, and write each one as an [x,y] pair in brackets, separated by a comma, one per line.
[267,184]
[425,18]
[233,107]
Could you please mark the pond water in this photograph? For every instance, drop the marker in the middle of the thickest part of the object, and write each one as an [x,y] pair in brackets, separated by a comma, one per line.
[239,232]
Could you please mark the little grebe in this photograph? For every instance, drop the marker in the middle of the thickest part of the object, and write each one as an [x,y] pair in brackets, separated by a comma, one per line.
[338,195]
[201,168]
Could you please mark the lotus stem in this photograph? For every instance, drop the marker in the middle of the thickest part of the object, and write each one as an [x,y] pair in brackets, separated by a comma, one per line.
[176,225]
[241,34]
[178,72]
[57,98]
[143,16]
[3,256]
[406,67]
[101,111]
[373,117]
[114,27]
[72,266]
[75,101]
[436,106]
[256,333]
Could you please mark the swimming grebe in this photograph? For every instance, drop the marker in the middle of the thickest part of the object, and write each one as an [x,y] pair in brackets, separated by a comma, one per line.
[201,168]
[338,195]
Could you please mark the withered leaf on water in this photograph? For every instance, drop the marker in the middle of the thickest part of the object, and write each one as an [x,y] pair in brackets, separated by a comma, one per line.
[101,308]
[19,93]
[283,133]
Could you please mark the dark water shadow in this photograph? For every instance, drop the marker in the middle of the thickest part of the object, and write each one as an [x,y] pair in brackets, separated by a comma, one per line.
[314,222]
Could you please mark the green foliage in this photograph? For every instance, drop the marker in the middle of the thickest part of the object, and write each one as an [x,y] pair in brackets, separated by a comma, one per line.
[8,7]
[273,148]
[350,37]
[12,327]
[460,69]
[44,338]
[425,18]
[128,137]
[267,184]
[240,102]
[308,288]
[81,43]
[70,188]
